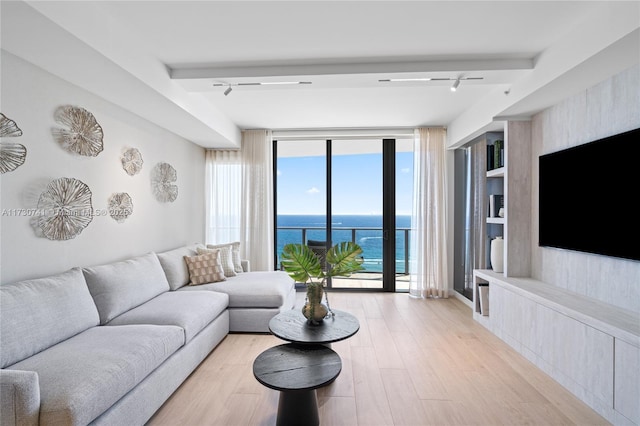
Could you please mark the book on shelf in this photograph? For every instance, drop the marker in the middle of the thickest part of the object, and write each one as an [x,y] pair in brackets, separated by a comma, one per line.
[495,155]
[490,160]
[496,202]
[498,154]
[483,295]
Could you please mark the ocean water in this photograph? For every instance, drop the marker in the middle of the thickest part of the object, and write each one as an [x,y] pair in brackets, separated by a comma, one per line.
[366,230]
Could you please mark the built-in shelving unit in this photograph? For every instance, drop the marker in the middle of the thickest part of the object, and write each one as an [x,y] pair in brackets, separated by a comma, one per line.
[588,346]
[495,177]
[512,180]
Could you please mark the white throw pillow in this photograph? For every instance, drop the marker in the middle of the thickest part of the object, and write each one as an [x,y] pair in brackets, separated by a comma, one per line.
[226,259]
[235,252]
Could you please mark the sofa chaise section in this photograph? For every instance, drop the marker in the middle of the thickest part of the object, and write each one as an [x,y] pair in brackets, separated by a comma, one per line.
[254,296]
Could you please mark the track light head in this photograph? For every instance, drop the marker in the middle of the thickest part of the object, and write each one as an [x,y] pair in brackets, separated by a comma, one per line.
[455,85]
[228,90]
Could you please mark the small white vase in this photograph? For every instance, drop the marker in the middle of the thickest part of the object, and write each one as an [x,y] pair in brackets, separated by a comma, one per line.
[497,254]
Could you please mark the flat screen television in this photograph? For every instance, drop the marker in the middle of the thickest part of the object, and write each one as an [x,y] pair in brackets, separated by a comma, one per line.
[589,196]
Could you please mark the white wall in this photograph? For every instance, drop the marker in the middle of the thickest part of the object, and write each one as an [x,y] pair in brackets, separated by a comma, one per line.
[30,96]
[610,107]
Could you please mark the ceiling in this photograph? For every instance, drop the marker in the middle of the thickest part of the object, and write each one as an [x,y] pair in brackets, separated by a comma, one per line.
[169,54]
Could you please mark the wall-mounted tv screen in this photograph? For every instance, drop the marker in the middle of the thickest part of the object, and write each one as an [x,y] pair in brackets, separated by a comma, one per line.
[589,197]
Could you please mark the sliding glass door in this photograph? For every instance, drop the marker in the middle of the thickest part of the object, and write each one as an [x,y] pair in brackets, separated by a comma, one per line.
[330,191]
[356,206]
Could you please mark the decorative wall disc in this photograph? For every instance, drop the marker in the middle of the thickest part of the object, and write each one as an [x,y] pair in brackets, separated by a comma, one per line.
[65,209]
[120,206]
[162,177]
[12,156]
[132,161]
[8,127]
[84,134]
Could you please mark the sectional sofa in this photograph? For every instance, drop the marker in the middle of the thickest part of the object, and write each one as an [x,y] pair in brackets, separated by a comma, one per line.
[108,345]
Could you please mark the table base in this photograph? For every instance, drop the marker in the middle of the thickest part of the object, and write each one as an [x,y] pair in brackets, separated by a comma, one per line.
[298,408]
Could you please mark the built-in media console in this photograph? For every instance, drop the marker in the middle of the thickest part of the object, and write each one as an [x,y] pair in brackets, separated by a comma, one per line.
[589,195]
[590,347]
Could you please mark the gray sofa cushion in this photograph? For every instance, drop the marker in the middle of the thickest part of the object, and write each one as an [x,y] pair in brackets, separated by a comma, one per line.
[36,314]
[82,377]
[120,286]
[174,266]
[260,289]
[192,311]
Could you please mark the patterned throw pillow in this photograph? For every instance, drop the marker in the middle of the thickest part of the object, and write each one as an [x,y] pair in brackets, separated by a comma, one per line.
[205,268]
[235,252]
[226,259]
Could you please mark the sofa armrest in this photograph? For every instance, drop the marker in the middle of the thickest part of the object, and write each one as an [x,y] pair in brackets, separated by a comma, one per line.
[19,398]
[246,266]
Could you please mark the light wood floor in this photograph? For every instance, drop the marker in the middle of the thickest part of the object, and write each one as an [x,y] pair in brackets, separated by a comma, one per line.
[397,370]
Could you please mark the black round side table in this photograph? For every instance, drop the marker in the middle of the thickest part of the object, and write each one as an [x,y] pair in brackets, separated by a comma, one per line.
[297,371]
[292,326]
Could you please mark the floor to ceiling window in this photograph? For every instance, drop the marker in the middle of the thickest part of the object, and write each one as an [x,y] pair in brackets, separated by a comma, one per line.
[329,191]
[301,193]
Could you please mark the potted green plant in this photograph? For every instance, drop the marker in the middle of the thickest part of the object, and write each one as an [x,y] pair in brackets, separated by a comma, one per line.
[303,265]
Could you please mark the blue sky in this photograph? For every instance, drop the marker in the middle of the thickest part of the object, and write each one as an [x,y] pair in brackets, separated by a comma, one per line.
[357,184]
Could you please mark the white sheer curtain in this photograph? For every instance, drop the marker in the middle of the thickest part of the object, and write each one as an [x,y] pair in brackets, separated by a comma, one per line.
[239,197]
[256,231]
[223,188]
[428,264]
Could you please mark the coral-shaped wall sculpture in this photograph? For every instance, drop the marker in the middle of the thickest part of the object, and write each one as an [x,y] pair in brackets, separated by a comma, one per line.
[120,206]
[83,134]
[132,161]
[12,154]
[163,176]
[65,209]
[8,127]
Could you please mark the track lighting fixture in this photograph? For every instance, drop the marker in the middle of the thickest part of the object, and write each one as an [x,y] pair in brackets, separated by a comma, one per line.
[394,80]
[229,87]
[455,85]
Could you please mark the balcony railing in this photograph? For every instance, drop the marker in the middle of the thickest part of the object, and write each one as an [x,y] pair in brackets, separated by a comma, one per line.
[372,255]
